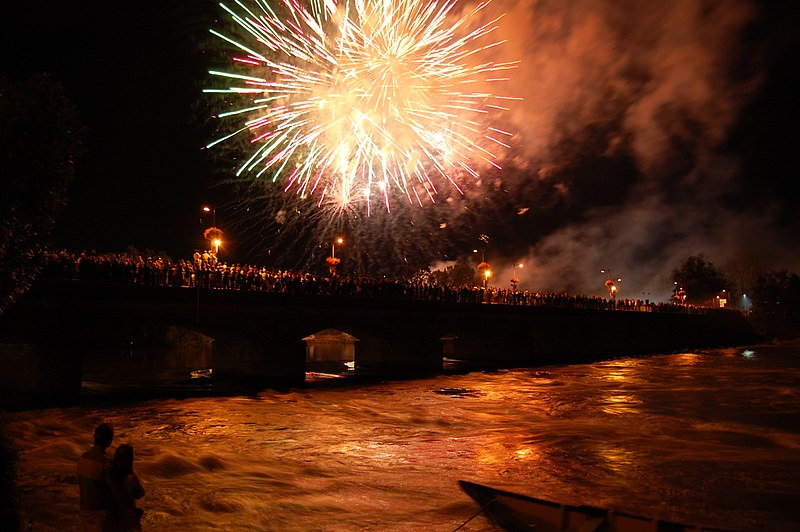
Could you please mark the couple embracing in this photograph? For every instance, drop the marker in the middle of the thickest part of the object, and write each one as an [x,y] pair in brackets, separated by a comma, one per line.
[109,487]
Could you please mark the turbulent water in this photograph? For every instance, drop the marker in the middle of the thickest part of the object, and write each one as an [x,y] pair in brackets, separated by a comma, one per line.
[709,438]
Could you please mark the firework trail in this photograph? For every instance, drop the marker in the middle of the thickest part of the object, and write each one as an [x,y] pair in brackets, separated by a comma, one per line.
[362,99]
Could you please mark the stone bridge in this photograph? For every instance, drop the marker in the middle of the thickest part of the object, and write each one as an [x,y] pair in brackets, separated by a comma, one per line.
[258,336]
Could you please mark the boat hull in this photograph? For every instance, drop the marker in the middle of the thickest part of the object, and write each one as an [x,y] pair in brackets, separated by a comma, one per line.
[516,512]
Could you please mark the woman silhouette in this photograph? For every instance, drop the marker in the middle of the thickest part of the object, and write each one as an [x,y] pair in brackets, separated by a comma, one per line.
[127,489]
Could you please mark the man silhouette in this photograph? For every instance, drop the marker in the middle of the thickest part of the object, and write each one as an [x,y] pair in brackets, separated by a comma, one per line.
[94,469]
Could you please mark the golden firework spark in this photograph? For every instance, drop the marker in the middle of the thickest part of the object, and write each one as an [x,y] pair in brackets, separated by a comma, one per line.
[352,100]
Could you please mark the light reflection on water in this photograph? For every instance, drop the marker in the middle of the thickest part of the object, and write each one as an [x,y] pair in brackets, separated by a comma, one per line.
[710,438]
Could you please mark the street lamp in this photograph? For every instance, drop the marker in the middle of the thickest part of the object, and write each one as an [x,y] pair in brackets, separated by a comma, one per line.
[339,240]
[213,212]
[612,288]
[483,267]
[514,279]
[332,260]
[214,236]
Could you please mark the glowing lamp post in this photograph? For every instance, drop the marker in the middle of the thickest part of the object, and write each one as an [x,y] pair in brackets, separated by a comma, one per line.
[679,294]
[485,272]
[213,212]
[514,279]
[612,289]
[332,260]
[214,236]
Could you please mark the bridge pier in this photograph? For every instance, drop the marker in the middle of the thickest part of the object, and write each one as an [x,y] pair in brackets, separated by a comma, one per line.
[39,374]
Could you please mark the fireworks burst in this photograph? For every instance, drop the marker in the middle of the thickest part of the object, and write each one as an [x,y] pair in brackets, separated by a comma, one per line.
[362,99]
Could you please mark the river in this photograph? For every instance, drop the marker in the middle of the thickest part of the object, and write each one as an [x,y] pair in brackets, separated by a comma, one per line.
[706,437]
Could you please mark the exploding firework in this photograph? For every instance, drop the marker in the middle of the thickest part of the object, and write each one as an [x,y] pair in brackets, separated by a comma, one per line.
[362,99]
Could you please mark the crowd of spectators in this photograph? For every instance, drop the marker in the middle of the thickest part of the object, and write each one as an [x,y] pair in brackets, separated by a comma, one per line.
[203,270]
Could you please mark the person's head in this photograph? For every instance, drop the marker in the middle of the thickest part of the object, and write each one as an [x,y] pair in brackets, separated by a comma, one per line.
[123,459]
[103,435]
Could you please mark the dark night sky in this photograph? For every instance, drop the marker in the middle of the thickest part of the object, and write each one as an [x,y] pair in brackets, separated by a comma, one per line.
[134,72]
[648,133]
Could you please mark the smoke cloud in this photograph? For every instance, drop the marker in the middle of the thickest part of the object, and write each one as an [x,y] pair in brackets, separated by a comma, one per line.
[628,143]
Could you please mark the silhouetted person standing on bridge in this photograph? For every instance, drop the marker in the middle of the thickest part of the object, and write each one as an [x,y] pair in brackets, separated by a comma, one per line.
[94,475]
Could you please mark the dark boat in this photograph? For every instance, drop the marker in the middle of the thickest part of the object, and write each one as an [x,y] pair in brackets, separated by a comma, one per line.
[513,511]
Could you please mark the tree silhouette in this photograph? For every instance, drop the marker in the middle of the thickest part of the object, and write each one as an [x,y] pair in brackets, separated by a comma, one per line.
[776,304]
[40,142]
[701,280]
[457,275]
